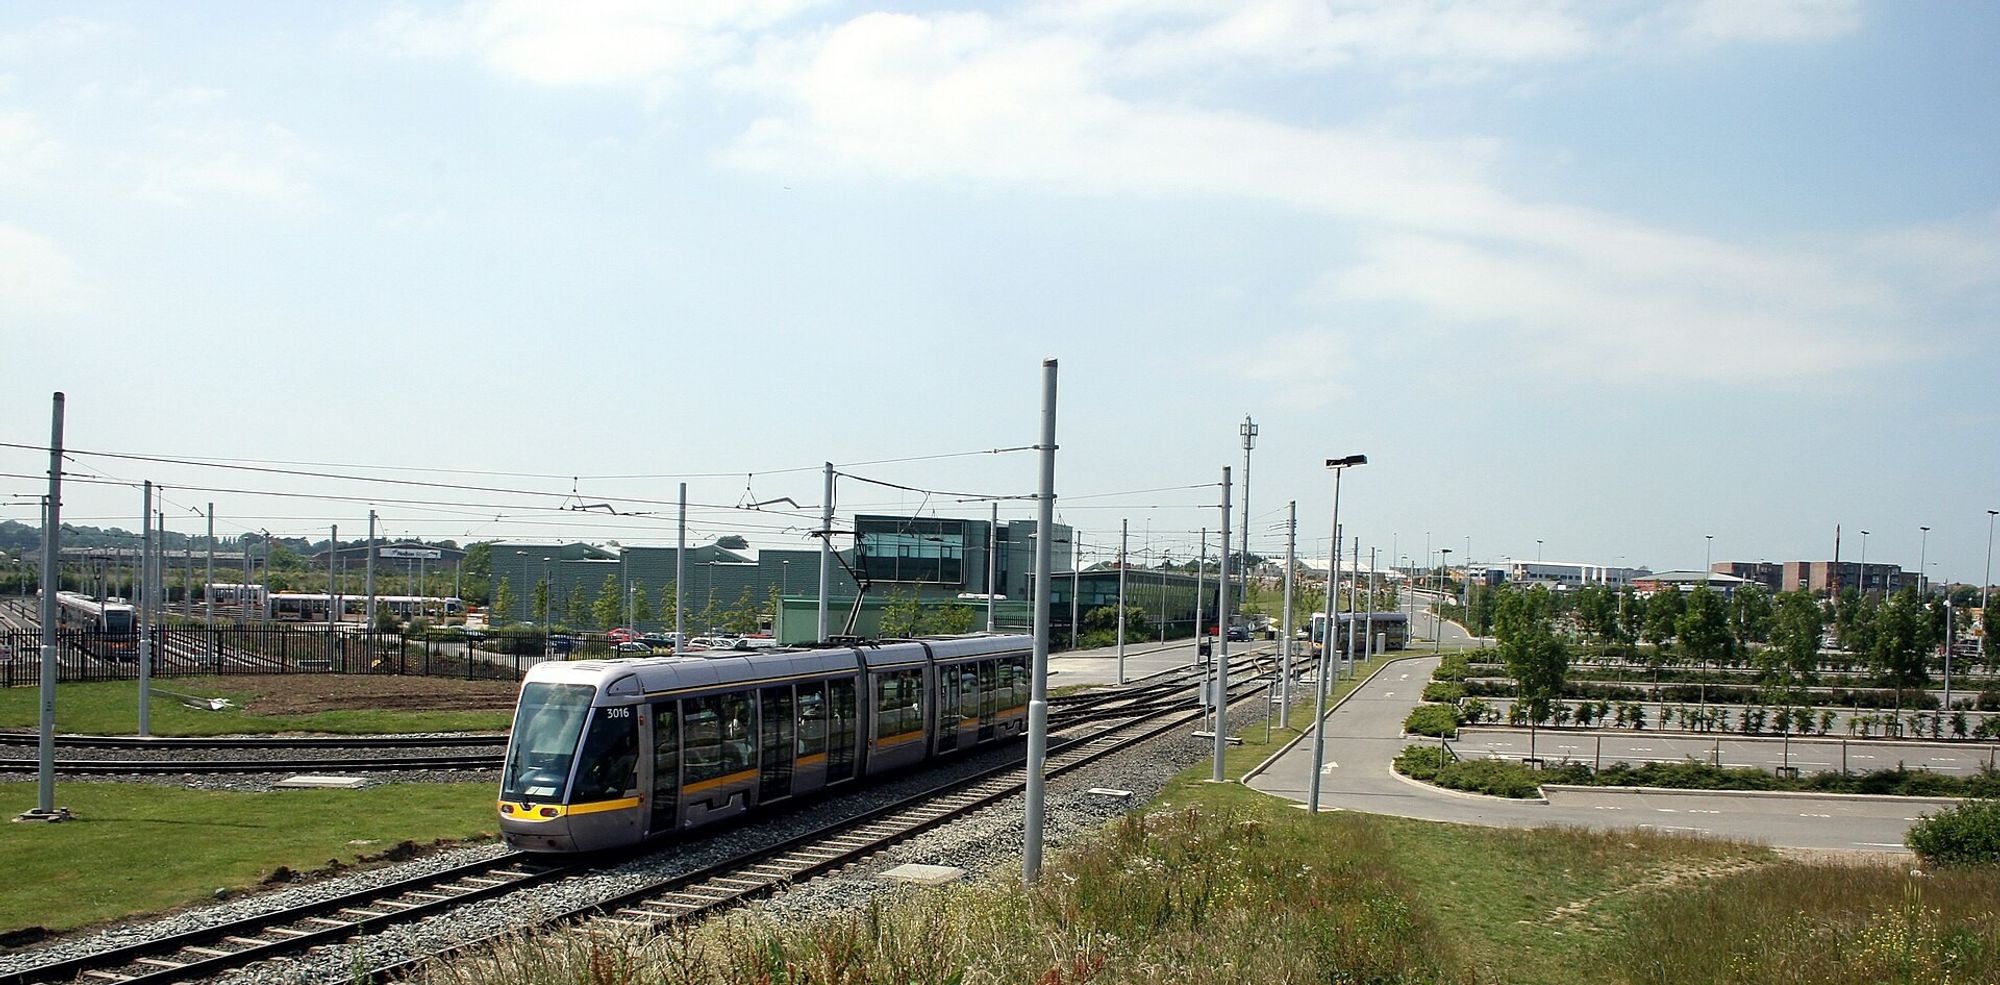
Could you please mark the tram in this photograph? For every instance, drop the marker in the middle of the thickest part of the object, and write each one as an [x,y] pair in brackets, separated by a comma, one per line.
[607,753]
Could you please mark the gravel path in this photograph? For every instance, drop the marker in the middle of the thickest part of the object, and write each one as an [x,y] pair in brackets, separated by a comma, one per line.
[988,841]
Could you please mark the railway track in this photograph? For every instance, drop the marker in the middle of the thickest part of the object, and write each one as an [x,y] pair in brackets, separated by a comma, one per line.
[213,742]
[209,951]
[758,873]
[178,767]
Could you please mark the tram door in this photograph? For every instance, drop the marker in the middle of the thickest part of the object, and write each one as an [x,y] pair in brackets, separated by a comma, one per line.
[949,685]
[666,765]
[776,737]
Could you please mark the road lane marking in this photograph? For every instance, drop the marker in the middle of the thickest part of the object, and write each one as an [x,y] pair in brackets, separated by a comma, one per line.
[1603,807]
[1693,810]
[1815,815]
[1405,677]
[1666,810]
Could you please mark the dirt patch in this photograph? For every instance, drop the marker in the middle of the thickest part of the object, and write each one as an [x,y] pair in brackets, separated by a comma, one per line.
[304,694]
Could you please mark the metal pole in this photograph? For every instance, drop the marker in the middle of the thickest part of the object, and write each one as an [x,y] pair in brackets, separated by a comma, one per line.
[1038,702]
[825,549]
[1325,653]
[1986,583]
[45,776]
[1124,530]
[1923,558]
[1368,645]
[147,625]
[1075,587]
[1353,586]
[1221,672]
[1200,589]
[1285,645]
[368,577]
[680,580]
[1249,432]
[992,563]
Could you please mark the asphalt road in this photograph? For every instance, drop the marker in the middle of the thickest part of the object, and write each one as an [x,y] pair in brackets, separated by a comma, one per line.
[1364,736]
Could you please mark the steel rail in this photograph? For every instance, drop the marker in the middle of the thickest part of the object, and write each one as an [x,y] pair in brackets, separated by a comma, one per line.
[177,767]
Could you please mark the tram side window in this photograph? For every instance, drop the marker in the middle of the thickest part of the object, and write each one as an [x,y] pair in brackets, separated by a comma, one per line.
[1022,683]
[737,751]
[702,742]
[989,686]
[896,710]
[1004,682]
[610,756]
[841,711]
[812,718]
[968,691]
[666,749]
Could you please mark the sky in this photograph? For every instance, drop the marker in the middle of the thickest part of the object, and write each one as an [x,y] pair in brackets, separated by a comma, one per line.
[1595,280]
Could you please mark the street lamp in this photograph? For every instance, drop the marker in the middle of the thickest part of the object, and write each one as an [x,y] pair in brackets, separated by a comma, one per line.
[1923,558]
[1986,583]
[1864,563]
[1338,465]
[1538,550]
[1707,558]
[1437,617]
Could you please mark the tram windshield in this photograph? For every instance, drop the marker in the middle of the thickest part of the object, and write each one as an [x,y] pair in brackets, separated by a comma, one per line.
[117,622]
[546,728]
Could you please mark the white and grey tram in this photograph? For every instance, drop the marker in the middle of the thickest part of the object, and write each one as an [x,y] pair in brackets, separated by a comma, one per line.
[607,753]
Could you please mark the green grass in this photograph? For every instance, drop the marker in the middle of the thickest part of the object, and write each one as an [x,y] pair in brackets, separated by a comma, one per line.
[139,848]
[112,708]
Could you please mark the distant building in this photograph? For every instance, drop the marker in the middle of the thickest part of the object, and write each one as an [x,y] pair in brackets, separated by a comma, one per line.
[1822,577]
[396,553]
[1769,574]
[1572,574]
[1688,581]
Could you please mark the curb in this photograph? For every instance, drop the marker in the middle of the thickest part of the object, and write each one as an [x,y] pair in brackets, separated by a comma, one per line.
[1801,795]
[1295,740]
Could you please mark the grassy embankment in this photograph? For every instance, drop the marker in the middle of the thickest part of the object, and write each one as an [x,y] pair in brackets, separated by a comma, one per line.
[1218,884]
[112,708]
[139,848]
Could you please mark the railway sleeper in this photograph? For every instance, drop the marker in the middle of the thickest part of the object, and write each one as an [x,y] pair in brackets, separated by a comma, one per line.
[109,976]
[209,952]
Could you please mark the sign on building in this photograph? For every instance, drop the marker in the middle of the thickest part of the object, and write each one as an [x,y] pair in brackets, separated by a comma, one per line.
[412,553]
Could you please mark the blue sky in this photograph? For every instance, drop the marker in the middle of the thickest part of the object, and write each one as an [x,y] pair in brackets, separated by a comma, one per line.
[1609,275]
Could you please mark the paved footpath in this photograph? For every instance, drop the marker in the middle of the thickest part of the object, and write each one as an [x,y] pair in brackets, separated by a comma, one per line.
[1364,735]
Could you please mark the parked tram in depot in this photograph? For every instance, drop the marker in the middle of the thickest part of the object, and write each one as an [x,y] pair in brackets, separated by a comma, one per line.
[308,607]
[608,753]
[102,628]
[1393,627]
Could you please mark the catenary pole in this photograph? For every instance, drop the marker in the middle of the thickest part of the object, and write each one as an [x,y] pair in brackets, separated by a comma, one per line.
[1353,589]
[680,581]
[148,626]
[1038,702]
[1220,675]
[1200,589]
[1249,432]
[992,562]
[45,775]
[368,576]
[1124,532]
[1368,645]
[1285,644]
[825,549]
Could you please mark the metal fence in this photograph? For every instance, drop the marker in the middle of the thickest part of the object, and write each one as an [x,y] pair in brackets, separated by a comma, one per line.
[191,652]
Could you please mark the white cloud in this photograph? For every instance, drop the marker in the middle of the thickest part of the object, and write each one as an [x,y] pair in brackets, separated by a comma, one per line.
[960,96]
[260,162]
[609,43]
[36,276]
[1767,20]
[28,152]
[1300,370]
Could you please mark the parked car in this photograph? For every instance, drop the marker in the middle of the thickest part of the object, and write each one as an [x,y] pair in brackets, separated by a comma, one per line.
[1239,634]
[632,646]
[622,634]
[559,643]
[659,641]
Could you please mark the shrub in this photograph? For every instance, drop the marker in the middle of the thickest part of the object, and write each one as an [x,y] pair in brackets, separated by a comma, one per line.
[1968,834]
[1454,667]
[1493,777]
[1420,762]
[1432,720]
[1444,691]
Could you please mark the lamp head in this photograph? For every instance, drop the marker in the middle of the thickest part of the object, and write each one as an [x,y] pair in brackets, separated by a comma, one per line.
[1341,463]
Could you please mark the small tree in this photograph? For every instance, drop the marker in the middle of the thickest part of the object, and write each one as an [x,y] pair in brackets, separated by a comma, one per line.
[610,603]
[503,602]
[1750,614]
[541,602]
[741,617]
[1791,663]
[1536,659]
[578,608]
[1663,613]
[951,617]
[903,615]
[642,604]
[1703,627]
[1898,654]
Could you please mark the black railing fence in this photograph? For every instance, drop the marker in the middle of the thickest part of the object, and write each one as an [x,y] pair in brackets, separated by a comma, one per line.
[196,651]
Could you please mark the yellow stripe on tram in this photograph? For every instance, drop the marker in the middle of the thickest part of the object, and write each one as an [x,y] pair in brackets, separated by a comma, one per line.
[720,781]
